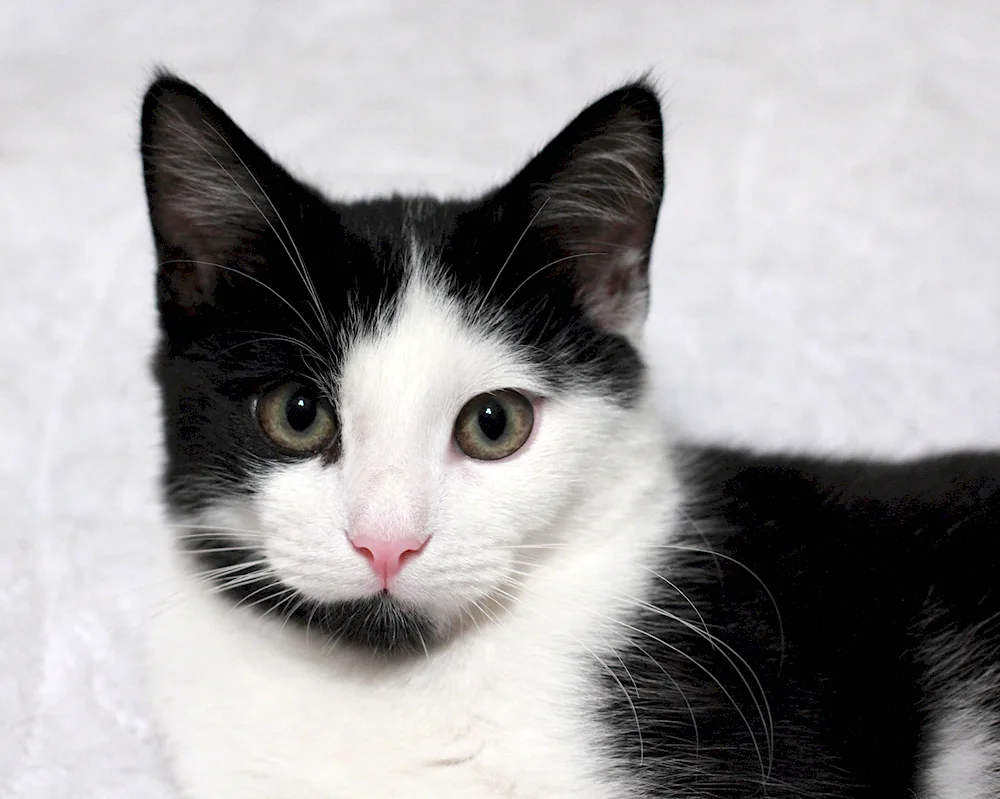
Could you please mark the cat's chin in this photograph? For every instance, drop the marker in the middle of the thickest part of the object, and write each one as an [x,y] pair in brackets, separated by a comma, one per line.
[380,624]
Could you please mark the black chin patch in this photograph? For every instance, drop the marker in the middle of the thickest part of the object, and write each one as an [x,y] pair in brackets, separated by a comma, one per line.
[379,624]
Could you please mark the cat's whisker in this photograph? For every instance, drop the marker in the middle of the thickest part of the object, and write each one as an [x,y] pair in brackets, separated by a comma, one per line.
[683,596]
[607,668]
[309,619]
[212,550]
[269,585]
[729,654]
[296,261]
[732,700]
[762,705]
[500,271]
[474,620]
[763,715]
[233,270]
[684,549]
[699,528]
[263,338]
[528,564]
[229,580]
[500,607]
[489,615]
[221,571]
[514,582]
[208,583]
[196,542]
[231,584]
[537,272]
[423,644]
[209,529]
[274,600]
[292,603]
[554,545]
[740,565]
[680,691]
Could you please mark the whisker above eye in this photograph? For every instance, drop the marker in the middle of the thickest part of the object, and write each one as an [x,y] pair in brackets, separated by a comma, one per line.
[517,243]
[233,270]
[541,269]
[297,262]
[261,337]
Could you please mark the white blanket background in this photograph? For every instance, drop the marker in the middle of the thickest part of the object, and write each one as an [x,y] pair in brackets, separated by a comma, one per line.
[826,272]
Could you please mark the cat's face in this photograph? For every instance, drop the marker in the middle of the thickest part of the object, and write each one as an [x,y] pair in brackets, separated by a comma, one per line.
[373,411]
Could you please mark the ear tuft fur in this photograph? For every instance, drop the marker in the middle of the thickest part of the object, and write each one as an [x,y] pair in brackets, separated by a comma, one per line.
[596,190]
[205,184]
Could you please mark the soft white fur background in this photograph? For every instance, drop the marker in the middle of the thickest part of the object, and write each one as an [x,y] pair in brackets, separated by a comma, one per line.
[826,274]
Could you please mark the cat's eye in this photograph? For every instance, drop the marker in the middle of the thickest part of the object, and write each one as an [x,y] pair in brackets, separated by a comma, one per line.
[297,418]
[494,425]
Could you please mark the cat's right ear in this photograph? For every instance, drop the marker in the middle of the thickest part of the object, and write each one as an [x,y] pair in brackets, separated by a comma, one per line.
[211,194]
[593,196]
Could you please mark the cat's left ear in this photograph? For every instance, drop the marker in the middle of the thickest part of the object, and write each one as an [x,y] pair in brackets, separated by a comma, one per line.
[595,193]
[212,196]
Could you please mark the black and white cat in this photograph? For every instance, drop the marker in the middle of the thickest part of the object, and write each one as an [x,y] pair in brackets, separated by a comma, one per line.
[432,540]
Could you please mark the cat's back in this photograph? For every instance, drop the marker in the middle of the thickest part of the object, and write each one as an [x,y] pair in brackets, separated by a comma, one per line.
[901,525]
[851,624]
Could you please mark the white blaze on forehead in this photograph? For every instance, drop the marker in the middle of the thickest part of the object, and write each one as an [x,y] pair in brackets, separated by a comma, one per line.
[428,358]
[401,388]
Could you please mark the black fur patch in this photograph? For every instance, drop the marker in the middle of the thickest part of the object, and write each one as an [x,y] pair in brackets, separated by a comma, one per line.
[866,564]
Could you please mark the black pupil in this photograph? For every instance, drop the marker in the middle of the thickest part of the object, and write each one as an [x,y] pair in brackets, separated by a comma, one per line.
[492,420]
[301,411]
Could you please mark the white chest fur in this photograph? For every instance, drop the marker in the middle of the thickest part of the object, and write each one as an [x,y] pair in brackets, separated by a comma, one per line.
[253,712]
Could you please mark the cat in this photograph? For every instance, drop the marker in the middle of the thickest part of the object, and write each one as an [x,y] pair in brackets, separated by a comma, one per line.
[431,538]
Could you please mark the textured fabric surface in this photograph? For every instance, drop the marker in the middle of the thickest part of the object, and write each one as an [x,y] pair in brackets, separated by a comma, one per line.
[826,272]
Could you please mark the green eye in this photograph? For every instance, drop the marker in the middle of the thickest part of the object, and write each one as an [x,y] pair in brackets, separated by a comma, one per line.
[297,419]
[494,425]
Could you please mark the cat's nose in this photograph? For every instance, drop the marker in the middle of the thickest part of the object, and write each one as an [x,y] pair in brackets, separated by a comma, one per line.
[387,556]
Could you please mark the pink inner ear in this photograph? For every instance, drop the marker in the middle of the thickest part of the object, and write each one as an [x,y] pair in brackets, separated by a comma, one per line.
[193,284]
[613,289]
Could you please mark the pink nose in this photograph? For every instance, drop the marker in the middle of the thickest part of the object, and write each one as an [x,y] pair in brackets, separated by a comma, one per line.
[386,556]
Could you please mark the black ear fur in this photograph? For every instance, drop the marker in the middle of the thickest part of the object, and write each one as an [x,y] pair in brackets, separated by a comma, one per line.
[596,191]
[212,193]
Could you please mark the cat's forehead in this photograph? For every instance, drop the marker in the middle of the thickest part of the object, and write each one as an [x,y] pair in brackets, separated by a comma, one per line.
[433,348]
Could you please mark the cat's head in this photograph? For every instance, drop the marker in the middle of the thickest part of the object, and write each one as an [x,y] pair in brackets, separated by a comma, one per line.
[376,411]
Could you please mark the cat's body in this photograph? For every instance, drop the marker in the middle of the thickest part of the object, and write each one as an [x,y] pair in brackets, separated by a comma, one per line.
[885,685]
[380,592]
